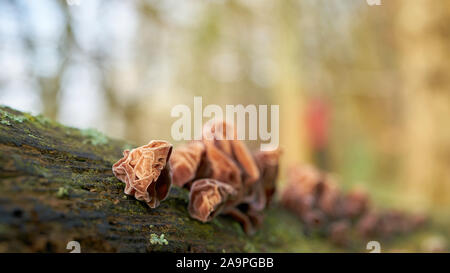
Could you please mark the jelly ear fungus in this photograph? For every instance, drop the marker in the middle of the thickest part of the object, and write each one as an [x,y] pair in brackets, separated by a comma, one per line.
[146,172]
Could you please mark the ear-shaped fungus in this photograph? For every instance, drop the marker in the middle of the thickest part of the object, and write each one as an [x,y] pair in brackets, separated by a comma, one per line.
[299,195]
[329,198]
[220,134]
[355,203]
[367,225]
[223,136]
[249,211]
[222,167]
[185,162]
[255,197]
[145,172]
[268,164]
[306,178]
[316,199]
[207,198]
[250,220]
[224,176]
[339,232]
[259,194]
[251,172]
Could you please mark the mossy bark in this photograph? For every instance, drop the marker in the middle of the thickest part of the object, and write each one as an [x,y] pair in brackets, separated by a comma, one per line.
[57,186]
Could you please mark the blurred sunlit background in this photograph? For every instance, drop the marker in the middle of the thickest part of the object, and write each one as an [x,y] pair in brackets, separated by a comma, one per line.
[364,91]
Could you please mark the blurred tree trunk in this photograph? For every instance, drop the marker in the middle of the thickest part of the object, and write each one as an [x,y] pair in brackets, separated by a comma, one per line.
[50,87]
[288,86]
[423,39]
[50,94]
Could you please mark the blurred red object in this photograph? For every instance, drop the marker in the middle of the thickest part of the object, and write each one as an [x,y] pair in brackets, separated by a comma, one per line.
[318,122]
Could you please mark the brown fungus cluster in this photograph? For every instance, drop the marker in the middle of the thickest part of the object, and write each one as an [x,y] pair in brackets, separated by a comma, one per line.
[225,177]
[318,202]
[146,172]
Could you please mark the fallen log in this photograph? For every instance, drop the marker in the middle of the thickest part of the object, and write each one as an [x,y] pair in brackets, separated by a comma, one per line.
[56,186]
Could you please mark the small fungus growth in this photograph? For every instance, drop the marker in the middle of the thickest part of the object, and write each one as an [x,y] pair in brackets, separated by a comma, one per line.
[146,172]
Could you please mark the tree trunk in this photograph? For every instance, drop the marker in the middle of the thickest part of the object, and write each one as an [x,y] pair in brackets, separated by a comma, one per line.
[423,39]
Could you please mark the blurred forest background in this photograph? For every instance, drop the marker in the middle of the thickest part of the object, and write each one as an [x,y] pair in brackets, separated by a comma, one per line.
[364,91]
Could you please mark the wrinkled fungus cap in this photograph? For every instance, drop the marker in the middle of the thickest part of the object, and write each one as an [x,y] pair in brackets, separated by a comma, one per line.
[145,172]
[185,162]
[223,136]
[207,198]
